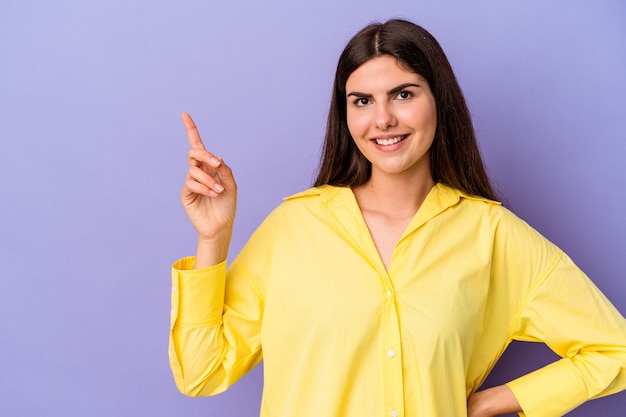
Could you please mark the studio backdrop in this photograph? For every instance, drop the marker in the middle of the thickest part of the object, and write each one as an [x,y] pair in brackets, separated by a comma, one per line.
[93,157]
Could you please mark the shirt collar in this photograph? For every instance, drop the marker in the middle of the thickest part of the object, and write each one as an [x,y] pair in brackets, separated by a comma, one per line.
[343,206]
[441,195]
[342,202]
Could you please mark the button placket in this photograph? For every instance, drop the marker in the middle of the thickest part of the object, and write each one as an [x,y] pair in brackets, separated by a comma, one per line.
[392,365]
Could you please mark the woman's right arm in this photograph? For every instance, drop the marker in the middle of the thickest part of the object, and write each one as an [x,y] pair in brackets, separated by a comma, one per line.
[215,321]
[209,197]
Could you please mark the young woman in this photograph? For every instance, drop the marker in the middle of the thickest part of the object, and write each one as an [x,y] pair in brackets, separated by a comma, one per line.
[393,286]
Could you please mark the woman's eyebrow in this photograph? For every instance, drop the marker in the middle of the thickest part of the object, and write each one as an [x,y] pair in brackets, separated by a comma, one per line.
[359,94]
[401,87]
[391,92]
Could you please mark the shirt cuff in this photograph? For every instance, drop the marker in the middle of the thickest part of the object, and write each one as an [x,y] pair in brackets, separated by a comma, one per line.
[197,294]
[549,391]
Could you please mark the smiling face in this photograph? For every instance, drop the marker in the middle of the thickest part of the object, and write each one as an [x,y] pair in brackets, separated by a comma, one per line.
[392,117]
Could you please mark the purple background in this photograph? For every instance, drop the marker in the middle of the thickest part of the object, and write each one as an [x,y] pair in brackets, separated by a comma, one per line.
[93,154]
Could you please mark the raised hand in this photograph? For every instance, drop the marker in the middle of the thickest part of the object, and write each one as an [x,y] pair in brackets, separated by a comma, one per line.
[209,197]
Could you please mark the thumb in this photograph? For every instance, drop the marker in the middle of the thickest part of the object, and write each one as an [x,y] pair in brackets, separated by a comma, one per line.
[225,175]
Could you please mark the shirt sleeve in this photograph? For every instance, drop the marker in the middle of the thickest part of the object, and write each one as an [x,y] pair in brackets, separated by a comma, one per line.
[569,313]
[216,317]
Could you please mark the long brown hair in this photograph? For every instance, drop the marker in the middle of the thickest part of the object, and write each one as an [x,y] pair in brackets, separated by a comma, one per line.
[454,154]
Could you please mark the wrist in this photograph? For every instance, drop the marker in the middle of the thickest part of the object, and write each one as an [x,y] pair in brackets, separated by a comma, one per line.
[212,250]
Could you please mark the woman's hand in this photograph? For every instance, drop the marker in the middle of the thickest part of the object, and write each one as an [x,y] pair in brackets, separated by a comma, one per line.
[492,402]
[209,197]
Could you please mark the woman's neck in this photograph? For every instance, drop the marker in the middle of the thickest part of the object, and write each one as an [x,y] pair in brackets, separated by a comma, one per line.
[388,203]
[395,193]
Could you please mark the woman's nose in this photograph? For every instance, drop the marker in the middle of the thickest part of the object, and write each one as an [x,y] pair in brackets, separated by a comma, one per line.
[385,117]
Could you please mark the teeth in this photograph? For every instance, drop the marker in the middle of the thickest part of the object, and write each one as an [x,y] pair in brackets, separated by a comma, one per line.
[391,141]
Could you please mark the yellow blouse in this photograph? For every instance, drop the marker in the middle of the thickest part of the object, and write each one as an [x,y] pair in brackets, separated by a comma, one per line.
[340,335]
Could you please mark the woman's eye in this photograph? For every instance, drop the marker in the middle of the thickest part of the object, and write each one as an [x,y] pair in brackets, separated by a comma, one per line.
[361,101]
[403,95]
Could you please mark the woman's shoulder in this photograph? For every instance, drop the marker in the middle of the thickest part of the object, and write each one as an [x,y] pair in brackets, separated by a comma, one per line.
[306,209]
[475,207]
[498,226]
[324,192]
[319,196]
[452,197]
[322,203]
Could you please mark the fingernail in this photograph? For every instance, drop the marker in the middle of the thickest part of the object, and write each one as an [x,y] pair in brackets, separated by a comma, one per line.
[219,187]
[215,162]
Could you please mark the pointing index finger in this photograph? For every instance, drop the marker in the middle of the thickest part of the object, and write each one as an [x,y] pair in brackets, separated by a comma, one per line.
[192,132]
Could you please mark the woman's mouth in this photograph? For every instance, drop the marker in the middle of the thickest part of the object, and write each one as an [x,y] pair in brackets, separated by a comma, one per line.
[390,141]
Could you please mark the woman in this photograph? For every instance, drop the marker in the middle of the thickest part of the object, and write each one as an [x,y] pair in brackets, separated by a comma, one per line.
[392,287]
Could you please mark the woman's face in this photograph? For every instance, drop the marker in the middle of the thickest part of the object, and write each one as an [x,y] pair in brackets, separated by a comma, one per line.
[392,117]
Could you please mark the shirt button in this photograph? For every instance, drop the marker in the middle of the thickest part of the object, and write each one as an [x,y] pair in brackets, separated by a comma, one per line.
[388,293]
[394,413]
[391,354]
[173,289]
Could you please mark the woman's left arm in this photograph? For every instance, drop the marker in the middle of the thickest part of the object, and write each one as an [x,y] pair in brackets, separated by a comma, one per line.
[568,313]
